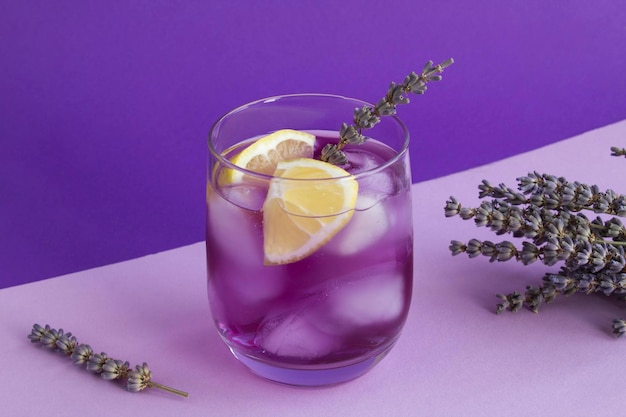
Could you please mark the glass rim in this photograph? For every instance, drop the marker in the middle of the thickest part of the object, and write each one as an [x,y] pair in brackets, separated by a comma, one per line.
[229,165]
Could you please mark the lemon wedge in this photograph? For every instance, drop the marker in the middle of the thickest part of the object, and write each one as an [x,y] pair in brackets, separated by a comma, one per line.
[265,153]
[305,208]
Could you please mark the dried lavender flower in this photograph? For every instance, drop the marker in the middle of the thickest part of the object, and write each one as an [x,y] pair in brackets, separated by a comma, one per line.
[453,207]
[141,378]
[81,354]
[50,338]
[457,247]
[619,327]
[66,344]
[96,362]
[534,298]
[615,151]
[37,333]
[332,155]
[367,117]
[108,368]
[115,369]
[511,302]
[506,251]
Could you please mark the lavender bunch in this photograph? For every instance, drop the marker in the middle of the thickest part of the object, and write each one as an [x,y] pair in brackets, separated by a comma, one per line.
[110,369]
[547,213]
[366,117]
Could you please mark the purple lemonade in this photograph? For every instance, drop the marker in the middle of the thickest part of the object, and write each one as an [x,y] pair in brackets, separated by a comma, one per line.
[332,315]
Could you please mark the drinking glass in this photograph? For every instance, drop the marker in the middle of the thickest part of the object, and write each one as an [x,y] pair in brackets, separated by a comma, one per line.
[333,315]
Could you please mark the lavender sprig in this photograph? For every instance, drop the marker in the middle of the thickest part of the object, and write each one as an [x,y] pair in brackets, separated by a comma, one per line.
[566,282]
[99,363]
[546,212]
[556,193]
[366,117]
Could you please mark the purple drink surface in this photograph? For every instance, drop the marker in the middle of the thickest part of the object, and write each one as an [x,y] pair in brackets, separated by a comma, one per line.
[342,304]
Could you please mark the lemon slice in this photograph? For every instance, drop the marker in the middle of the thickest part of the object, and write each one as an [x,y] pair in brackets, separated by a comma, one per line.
[265,153]
[305,208]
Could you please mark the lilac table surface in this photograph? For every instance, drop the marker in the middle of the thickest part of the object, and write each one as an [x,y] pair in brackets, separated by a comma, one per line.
[455,358]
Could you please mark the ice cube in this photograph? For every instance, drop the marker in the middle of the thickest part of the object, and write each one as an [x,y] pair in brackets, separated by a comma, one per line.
[374,188]
[296,335]
[376,299]
[364,229]
[242,295]
[253,288]
[362,161]
[235,229]
[376,185]
[247,196]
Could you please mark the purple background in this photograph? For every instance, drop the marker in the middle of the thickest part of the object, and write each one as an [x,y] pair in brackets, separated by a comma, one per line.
[105,106]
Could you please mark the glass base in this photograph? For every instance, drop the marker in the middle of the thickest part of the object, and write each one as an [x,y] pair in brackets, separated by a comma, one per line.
[314,375]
